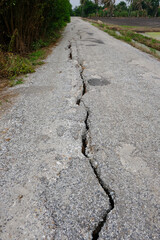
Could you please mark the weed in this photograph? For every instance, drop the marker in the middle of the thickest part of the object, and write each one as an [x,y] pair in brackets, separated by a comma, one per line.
[13,65]
[36,56]
[16,82]
[126,26]
[128,36]
[153,50]
[129,33]
[117,36]
[39,44]
[153,43]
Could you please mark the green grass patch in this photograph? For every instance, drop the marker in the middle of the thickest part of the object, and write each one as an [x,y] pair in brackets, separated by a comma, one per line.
[149,42]
[12,65]
[155,35]
[40,44]
[16,82]
[39,54]
[128,36]
[113,32]
[153,50]
[17,65]
[36,57]
[125,26]
[117,36]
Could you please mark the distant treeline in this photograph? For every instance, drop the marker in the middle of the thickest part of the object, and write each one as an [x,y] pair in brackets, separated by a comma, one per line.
[23,22]
[108,8]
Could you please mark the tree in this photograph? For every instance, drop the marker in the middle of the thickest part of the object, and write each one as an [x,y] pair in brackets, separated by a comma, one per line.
[23,22]
[121,10]
[77,11]
[122,6]
[82,2]
[90,7]
[87,7]
[110,4]
[151,6]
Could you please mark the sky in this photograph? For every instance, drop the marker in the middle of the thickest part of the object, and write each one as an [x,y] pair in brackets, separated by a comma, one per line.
[77,2]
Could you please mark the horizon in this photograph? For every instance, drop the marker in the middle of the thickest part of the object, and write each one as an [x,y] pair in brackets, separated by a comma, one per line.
[77,2]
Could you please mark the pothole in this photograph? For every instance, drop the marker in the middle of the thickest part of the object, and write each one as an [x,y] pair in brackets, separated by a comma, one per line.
[94,40]
[98,82]
[90,33]
[97,41]
[91,45]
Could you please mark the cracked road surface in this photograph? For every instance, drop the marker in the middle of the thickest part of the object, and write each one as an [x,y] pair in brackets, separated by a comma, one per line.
[80,147]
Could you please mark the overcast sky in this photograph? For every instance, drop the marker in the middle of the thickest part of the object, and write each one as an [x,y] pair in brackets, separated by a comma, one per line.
[77,2]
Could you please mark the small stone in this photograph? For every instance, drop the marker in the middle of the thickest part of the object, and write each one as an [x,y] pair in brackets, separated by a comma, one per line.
[60,131]
[100,22]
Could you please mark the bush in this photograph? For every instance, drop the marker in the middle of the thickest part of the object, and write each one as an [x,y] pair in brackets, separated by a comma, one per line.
[124,14]
[152,43]
[14,65]
[25,22]
[134,14]
[121,14]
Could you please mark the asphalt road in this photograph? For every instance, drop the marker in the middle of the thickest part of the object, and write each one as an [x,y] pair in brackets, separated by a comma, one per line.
[80,147]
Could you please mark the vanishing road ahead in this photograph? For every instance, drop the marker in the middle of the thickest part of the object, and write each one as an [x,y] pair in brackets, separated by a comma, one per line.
[81,144]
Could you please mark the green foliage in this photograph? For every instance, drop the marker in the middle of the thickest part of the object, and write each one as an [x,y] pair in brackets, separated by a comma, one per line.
[116,35]
[152,43]
[121,14]
[121,6]
[152,9]
[77,11]
[17,65]
[148,45]
[16,82]
[25,22]
[36,56]
[12,65]
[87,8]
[153,50]
[134,14]
[135,8]
[144,7]
[39,44]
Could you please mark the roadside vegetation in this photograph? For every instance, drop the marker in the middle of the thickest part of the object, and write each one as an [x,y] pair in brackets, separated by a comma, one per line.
[137,40]
[27,28]
[109,8]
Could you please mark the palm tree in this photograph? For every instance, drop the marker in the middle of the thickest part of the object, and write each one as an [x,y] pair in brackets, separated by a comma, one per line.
[82,2]
[110,4]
